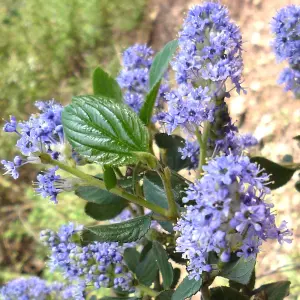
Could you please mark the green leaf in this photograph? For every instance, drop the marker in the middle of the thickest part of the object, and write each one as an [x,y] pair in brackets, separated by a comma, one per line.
[154,189]
[131,257]
[187,288]
[280,175]
[176,277]
[161,62]
[105,85]
[297,186]
[123,232]
[239,270]
[165,295]
[147,108]
[297,138]
[147,269]
[101,212]
[226,293]
[96,195]
[163,264]
[171,145]
[109,177]
[103,131]
[147,247]
[276,290]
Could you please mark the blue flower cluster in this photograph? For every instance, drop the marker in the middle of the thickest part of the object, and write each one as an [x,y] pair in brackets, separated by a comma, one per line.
[286,27]
[210,48]
[134,76]
[231,214]
[99,264]
[43,132]
[34,288]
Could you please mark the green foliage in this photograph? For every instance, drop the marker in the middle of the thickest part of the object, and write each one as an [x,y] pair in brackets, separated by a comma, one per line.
[132,257]
[161,62]
[106,86]
[226,293]
[123,232]
[154,189]
[147,108]
[280,175]
[163,264]
[170,145]
[104,211]
[109,177]
[103,131]
[239,270]
[187,288]
[275,290]
[165,295]
[147,270]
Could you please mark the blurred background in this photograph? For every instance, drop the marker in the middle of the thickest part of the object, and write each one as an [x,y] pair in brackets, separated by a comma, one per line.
[49,49]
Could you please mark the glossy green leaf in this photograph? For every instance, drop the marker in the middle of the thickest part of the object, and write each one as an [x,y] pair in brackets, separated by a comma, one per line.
[171,145]
[96,195]
[176,277]
[147,269]
[154,190]
[239,270]
[161,62]
[297,138]
[163,264]
[148,106]
[276,290]
[297,186]
[105,85]
[226,293]
[187,288]
[131,257]
[109,177]
[104,132]
[280,175]
[165,295]
[123,232]
[101,212]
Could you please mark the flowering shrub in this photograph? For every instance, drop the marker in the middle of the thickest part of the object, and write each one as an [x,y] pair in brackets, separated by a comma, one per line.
[214,225]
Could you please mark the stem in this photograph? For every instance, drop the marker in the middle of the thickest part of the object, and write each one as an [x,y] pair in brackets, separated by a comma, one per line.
[205,292]
[166,179]
[146,290]
[99,183]
[203,147]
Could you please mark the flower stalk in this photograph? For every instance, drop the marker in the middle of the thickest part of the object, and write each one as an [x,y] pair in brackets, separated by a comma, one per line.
[98,183]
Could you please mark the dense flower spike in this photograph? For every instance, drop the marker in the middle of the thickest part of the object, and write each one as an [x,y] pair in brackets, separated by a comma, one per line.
[231,214]
[99,264]
[134,77]
[286,28]
[34,288]
[210,48]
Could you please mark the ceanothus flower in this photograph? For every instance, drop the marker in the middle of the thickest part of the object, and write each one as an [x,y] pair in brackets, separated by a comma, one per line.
[210,47]
[134,76]
[50,184]
[231,214]
[34,288]
[97,264]
[291,79]
[286,27]
[188,107]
